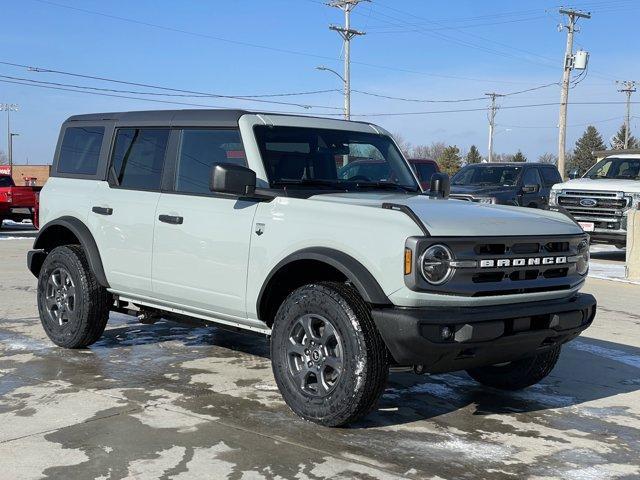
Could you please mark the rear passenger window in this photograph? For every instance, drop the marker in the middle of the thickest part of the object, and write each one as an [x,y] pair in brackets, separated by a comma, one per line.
[551,176]
[80,150]
[138,157]
[199,151]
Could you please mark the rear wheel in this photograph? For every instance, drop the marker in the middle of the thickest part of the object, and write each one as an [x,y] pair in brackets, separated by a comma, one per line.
[519,374]
[329,361]
[73,307]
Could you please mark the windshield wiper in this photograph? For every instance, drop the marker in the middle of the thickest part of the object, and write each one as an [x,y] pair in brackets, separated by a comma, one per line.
[308,181]
[386,186]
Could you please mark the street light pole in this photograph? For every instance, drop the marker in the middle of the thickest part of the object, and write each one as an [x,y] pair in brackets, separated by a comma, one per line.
[11,135]
[347,113]
[9,107]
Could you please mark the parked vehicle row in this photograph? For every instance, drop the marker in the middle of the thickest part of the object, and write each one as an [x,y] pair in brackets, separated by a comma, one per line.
[602,198]
[261,222]
[17,203]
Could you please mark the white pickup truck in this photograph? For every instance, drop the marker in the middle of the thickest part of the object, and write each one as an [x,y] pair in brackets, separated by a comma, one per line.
[600,200]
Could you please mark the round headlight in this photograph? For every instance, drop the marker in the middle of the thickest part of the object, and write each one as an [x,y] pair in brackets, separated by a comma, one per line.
[582,265]
[435,264]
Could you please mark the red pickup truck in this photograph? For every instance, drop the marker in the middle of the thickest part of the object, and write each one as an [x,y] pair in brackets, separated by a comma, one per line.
[17,203]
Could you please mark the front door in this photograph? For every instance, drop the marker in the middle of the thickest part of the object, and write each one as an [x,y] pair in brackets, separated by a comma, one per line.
[532,198]
[201,244]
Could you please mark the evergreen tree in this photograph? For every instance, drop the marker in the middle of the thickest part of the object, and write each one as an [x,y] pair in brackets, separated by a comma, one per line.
[617,142]
[519,157]
[473,155]
[583,157]
[450,160]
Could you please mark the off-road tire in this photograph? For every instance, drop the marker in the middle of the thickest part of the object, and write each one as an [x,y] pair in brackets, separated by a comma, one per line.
[91,304]
[518,374]
[365,364]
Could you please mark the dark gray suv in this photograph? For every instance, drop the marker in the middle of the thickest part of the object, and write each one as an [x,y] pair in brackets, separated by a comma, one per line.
[520,184]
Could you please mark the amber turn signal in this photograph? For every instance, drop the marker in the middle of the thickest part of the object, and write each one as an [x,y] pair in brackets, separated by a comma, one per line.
[408,257]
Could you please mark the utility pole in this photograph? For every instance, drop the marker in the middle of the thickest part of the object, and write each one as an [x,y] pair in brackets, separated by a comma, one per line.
[573,16]
[347,33]
[628,88]
[9,107]
[492,118]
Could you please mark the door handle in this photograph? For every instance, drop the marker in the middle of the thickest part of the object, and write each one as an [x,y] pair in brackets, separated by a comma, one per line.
[172,219]
[102,210]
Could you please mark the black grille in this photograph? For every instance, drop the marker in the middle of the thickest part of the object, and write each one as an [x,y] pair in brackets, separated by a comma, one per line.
[502,280]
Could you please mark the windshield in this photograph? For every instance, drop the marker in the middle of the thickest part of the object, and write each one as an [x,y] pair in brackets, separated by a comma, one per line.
[504,175]
[6,181]
[619,168]
[338,159]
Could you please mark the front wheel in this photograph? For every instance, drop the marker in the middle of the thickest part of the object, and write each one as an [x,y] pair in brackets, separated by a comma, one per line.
[518,374]
[328,358]
[73,307]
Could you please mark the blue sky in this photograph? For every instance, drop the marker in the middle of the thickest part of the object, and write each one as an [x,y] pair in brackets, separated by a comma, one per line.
[423,49]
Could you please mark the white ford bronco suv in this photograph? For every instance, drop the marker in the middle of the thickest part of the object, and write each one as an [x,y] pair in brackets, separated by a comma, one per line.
[251,221]
[601,199]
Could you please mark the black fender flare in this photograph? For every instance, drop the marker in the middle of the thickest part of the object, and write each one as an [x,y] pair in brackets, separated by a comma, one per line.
[352,269]
[44,242]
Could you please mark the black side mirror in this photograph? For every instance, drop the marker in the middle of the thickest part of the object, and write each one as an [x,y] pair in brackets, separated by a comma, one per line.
[233,179]
[573,174]
[440,185]
[530,188]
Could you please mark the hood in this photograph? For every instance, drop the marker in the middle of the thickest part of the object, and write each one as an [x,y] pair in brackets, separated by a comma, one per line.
[608,184]
[481,190]
[461,218]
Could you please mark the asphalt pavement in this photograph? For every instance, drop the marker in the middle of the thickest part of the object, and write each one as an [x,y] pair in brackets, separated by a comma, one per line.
[192,401]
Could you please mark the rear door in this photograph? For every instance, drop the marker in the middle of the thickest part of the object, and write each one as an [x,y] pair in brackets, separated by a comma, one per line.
[201,245]
[123,211]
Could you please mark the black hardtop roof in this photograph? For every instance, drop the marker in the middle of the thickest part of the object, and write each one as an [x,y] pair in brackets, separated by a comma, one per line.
[221,117]
[217,115]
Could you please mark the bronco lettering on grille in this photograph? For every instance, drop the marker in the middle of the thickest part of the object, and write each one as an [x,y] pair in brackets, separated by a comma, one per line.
[522,262]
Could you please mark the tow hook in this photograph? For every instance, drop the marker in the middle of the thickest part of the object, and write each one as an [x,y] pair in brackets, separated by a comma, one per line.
[419,369]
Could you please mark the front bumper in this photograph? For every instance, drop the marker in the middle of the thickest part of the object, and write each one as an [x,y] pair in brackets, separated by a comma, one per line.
[481,335]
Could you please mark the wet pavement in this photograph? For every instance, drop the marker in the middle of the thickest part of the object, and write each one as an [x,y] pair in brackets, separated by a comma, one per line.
[191,401]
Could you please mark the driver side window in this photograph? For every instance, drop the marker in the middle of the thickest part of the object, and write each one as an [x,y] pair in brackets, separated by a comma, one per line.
[531,177]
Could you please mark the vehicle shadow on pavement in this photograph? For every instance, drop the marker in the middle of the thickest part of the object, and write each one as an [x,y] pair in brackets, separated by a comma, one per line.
[613,255]
[588,370]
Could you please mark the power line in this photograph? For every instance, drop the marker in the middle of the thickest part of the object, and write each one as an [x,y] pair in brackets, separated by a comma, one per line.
[157,94]
[158,87]
[374,114]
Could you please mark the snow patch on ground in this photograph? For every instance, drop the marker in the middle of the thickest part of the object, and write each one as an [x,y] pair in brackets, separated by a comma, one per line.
[609,271]
[609,353]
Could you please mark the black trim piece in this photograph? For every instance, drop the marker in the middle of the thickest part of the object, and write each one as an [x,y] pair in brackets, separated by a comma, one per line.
[410,213]
[172,219]
[46,240]
[480,335]
[102,210]
[355,272]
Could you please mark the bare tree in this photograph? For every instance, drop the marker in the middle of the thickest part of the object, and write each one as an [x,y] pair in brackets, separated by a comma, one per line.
[432,151]
[405,146]
[3,158]
[549,158]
